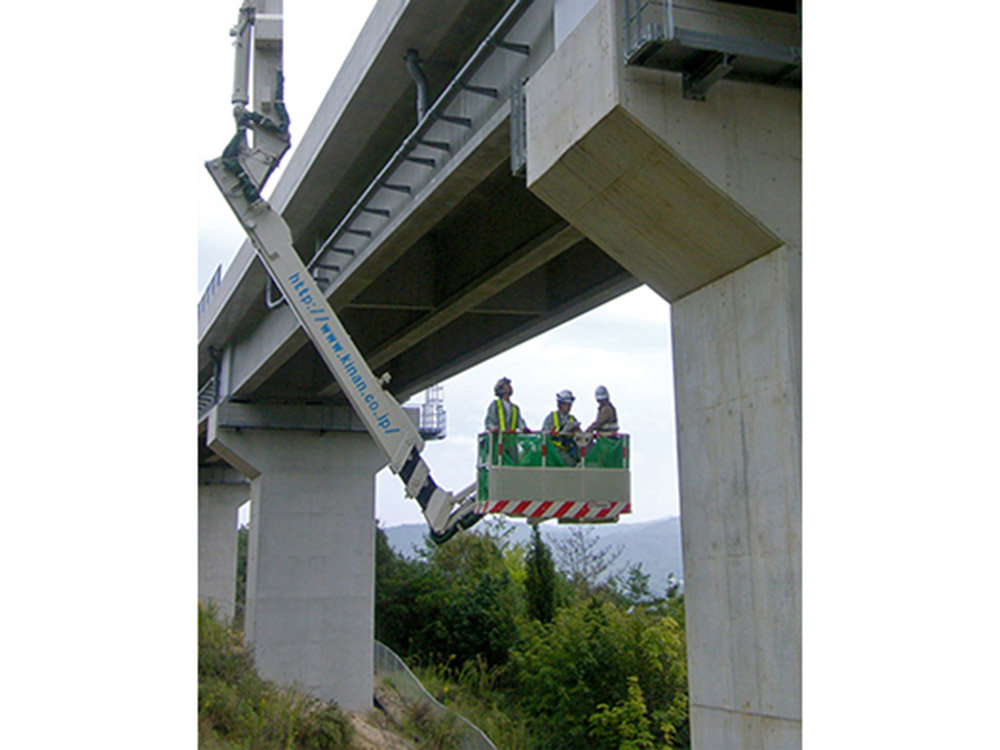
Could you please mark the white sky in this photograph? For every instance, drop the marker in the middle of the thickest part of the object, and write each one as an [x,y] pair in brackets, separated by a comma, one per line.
[624,345]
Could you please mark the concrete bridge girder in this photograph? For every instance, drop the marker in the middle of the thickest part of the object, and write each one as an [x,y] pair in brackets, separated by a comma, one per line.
[702,201]
[620,154]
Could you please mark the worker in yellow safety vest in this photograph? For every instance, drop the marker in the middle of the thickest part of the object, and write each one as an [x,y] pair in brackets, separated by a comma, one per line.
[502,414]
[564,426]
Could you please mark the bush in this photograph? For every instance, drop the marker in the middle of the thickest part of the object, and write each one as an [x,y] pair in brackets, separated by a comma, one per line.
[585,658]
[625,726]
[458,604]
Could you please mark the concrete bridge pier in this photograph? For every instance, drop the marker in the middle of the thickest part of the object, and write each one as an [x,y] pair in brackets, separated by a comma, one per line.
[702,201]
[310,569]
[221,491]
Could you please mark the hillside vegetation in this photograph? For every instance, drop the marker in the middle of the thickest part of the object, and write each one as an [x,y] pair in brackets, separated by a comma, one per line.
[656,545]
[540,648]
[540,651]
[238,709]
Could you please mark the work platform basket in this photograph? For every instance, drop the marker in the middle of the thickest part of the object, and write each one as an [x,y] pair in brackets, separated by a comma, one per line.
[582,479]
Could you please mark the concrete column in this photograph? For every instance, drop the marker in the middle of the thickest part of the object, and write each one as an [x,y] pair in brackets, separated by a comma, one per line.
[310,574]
[737,381]
[221,492]
[702,202]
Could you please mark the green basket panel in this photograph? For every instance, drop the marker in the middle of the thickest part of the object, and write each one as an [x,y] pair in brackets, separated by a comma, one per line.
[522,449]
[485,443]
[607,453]
[556,451]
[529,450]
[483,489]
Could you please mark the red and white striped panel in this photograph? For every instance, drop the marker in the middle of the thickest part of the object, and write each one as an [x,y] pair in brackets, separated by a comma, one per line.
[569,509]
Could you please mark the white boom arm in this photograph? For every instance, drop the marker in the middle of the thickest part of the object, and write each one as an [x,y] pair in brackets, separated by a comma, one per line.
[240,173]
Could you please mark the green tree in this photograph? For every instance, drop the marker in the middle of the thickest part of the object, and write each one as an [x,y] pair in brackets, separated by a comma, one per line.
[399,583]
[625,726]
[565,670]
[458,602]
[242,545]
[540,582]
[635,587]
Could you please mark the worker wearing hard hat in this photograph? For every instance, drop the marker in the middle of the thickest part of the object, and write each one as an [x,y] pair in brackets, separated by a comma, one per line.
[501,414]
[564,426]
[606,421]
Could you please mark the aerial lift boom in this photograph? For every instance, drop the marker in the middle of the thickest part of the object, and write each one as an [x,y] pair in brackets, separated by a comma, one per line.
[240,174]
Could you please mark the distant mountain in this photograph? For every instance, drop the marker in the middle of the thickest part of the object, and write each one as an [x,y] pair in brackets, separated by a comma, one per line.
[655,544]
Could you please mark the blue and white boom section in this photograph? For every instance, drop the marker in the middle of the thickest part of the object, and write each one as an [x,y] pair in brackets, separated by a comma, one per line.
[240,174]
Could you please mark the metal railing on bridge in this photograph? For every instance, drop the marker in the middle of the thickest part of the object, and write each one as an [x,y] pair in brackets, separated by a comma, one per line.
[711,41]
[476,93]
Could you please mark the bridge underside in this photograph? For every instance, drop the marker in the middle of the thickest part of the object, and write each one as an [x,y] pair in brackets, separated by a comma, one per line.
[498,268]
[474,266]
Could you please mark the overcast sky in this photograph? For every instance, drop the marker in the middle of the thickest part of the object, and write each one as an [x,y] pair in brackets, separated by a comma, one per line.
[624,344]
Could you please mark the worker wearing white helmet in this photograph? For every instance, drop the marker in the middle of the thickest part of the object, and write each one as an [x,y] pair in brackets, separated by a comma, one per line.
[501,414]
[564,426]
[607,415]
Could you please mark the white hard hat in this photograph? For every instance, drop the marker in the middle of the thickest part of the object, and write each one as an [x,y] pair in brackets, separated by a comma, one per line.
[565,397]
[601,393]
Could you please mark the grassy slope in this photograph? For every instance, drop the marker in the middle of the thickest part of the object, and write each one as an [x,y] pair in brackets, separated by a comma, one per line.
[238,709]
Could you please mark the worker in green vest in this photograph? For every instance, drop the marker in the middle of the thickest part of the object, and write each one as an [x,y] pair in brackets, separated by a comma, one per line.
[502,414]
[564,427]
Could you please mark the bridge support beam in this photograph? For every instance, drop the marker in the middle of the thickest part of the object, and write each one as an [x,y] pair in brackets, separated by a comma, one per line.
[221,491]
[310,571]
[702,201]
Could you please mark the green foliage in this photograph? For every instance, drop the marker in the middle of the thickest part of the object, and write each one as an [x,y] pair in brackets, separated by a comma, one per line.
[476,692]
[242,546]
[435,731]
[625,726]
[565,670]
[458,603]
[539,657]
[238,709]
[540,582]
[635,587]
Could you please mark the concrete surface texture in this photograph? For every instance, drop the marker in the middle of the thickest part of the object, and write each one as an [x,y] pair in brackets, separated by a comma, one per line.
[310,568]
[619,153]
[739,437]
[702,201]
[221,492]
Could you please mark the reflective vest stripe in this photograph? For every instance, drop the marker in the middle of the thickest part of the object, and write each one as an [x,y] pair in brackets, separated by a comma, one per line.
[500,416]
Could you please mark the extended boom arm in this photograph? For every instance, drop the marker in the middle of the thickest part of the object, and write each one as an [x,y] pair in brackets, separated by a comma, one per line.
[240,174]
